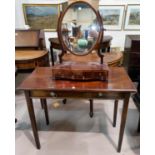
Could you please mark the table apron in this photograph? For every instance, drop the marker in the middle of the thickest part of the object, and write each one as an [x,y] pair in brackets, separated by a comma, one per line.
[75,94]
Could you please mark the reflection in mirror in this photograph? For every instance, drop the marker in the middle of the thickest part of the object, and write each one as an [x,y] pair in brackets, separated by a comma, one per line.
[80,28]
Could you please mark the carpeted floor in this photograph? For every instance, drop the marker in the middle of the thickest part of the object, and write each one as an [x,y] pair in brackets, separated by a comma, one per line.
[72,132]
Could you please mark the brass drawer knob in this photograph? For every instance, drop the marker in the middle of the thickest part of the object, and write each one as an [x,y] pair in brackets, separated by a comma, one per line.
[52,94]
[100,94]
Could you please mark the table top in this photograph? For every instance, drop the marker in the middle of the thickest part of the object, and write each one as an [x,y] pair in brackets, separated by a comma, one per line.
[41,79]
[29,54]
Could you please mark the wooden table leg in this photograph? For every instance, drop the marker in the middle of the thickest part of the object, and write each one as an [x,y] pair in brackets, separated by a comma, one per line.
[52,55]
[108,49]
[138,129]
[123,121]
[115,113]
[44,103]
[32,118]
[91,108]
[64,101]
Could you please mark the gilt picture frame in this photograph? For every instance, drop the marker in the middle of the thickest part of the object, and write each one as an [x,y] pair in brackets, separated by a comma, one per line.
[113,16]
[64,6]
[41,16]
[132,20]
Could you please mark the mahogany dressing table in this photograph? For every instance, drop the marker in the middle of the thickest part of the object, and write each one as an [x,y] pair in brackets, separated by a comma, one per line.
[111,82]
[40,85]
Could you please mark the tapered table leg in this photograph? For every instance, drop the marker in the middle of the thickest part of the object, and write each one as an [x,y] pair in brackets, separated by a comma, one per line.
[44,103]
[64,101]
[52,55]
[138,129]
[115,113]
[32,118]
[91,108]
[123,121]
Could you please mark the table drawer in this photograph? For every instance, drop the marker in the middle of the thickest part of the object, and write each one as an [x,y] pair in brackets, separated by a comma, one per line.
[72,94]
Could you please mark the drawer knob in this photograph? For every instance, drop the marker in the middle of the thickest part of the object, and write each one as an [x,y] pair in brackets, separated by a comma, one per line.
[100,94]
[52,94]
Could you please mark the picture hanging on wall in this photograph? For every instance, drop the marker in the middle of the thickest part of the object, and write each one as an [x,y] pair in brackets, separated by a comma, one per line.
[64,6]
[112,16]
[132,21]
[41,16]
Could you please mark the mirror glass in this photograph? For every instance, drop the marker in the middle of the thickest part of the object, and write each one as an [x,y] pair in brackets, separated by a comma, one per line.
[80,28]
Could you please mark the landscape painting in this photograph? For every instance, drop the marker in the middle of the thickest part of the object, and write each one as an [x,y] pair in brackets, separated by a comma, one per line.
[41,16]
[132,17]
[112,16]
[64,6]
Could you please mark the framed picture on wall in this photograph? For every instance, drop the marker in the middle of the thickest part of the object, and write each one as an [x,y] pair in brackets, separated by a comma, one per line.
[64,6]
[41,16]
[112,16]
[132,21]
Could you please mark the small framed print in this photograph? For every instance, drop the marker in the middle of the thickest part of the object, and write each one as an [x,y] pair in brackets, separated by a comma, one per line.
[41,16]
[64,6]
[112,16]
[132,21]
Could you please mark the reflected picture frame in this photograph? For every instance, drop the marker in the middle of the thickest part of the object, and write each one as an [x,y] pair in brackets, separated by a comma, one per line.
[132,19]
[41,16]
[113,16]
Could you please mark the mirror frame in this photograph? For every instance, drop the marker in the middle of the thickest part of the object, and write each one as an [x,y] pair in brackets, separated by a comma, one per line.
[100,35]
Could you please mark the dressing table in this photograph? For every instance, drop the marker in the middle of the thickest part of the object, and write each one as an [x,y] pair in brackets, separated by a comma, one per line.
[51,82]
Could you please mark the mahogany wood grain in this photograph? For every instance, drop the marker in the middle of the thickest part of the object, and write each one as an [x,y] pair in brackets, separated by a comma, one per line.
[44,106]
[115,113]
[91,113]
[80,71]
[32,118]
[123,121]
[41,79]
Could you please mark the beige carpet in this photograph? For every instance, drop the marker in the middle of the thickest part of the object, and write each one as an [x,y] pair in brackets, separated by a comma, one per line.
[72,131]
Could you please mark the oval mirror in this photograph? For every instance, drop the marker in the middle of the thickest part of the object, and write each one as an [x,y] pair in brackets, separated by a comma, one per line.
[79,28]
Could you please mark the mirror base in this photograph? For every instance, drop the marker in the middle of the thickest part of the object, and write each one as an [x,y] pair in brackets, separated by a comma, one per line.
[80,71]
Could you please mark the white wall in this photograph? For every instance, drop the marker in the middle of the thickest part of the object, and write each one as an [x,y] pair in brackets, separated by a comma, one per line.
[118,36]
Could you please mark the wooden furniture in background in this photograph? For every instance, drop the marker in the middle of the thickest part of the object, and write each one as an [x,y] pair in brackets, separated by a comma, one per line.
[111,58]
[29,50]
[27,38]
[30,53]
[54,44]
[29,59]
[119,86]
[132,64]
[132,56]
